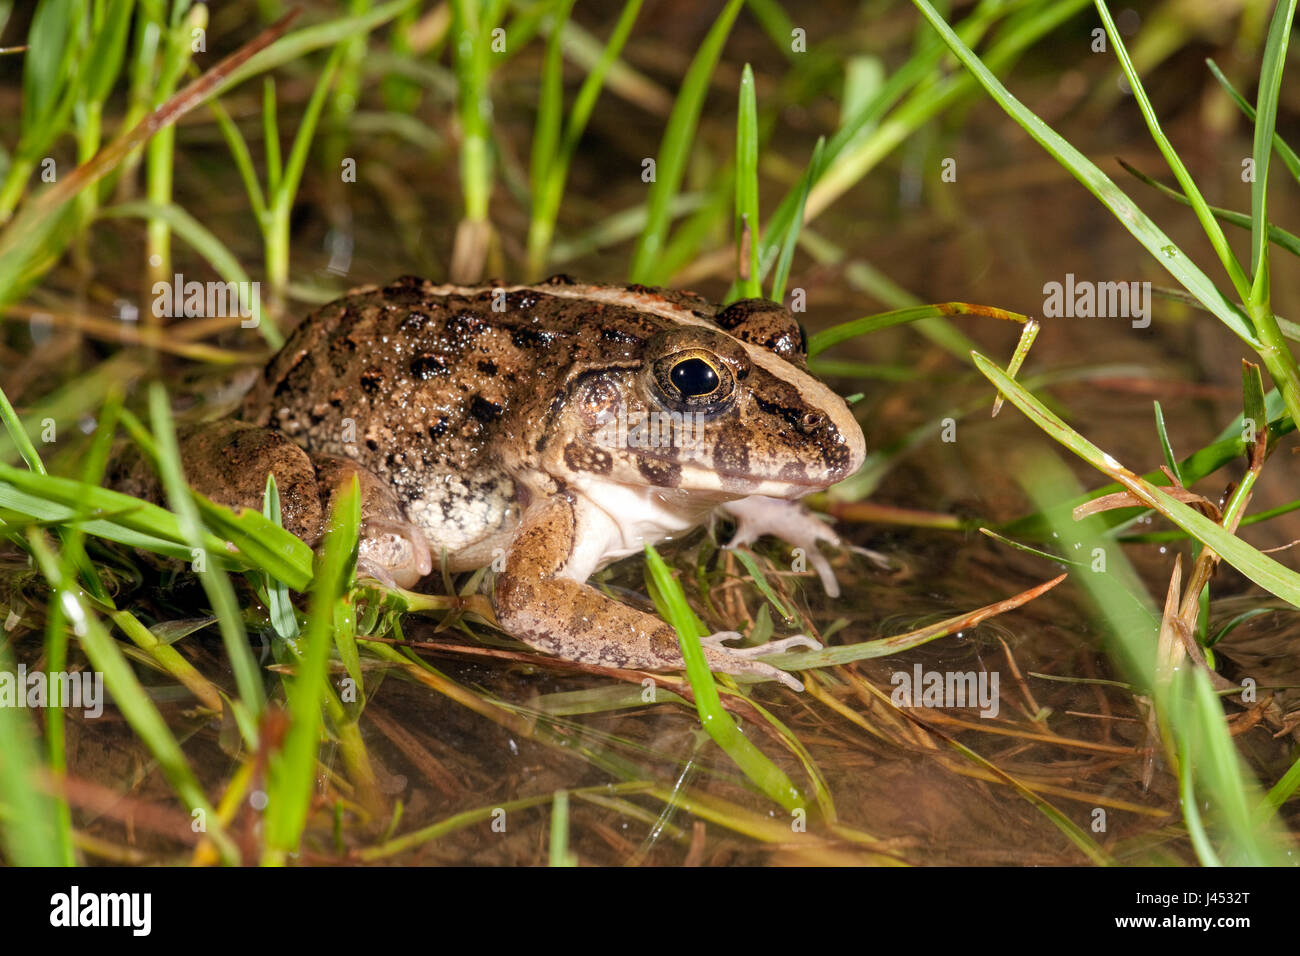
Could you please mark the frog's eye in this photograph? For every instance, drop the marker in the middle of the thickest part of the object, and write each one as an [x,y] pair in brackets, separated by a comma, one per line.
[693,380]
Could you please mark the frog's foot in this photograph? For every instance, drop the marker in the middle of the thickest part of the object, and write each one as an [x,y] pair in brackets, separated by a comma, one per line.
[779,646]
[790,521]
[395,553]
[542,599]
[742,660]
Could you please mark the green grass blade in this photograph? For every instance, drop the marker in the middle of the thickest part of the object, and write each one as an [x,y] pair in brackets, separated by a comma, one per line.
[298,44]
[1207,754]
[1281,791]
[1152,237]
[560,854]
[781,274]
[276,552]
[550,103]
[1260,568]
[1270,85]
[675,149]
[585,101]
[820,341]
[205,243]
[1170,461]
[713,716]
[28,828]
[1209,224]
[18,435]
[104,58]
[745,227]
[1252,393]
[760,581]
[1284,151]
[1276,234]
[279,606]
[292,774]
[128,694]
[98,511]
[56,661]
[51,44]
[216,584]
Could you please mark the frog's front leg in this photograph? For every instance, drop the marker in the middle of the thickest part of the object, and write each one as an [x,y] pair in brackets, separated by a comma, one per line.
[542,599]
[794,524]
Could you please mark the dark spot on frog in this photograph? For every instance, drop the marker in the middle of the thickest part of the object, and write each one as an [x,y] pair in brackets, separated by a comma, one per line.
[585,458]
[523,300]
[620,336]
[371,380]
[484,410]
[663,474]
[429,365]
[793,416]
[438,428]
[531,338]
[465,324]
[414,322]
[487,367]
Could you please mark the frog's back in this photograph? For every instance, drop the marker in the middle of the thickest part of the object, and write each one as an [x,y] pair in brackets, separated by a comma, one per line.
[444,392]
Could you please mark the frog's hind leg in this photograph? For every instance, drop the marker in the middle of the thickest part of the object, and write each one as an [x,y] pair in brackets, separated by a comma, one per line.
[541,598]
[228,461]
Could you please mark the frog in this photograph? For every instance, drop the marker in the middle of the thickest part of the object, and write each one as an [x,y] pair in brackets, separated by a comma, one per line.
[542,431]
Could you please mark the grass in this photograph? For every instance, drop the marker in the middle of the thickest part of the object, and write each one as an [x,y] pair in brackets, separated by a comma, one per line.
[303,735]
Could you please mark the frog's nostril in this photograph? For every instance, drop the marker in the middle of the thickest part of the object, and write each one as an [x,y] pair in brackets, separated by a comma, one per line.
[811,421]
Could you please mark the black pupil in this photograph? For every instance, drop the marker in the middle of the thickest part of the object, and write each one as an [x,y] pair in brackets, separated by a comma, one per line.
[694,377]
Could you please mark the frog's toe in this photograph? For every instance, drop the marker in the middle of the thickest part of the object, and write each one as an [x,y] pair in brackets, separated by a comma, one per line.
[790,521]
[779,646]
[743,660]
[396,550]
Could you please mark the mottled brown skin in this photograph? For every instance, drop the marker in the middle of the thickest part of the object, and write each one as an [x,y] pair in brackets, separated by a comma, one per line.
[483,423]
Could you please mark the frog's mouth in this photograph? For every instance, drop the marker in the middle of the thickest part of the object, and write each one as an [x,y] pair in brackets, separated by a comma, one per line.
[706,479]
[733,484]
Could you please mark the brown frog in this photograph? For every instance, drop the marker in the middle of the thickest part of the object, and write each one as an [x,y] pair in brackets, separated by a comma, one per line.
[544,430]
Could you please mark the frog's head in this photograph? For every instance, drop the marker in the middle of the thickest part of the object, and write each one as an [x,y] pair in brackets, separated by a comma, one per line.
[721,410]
